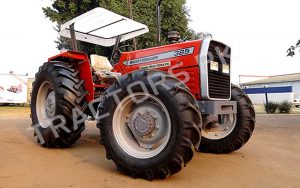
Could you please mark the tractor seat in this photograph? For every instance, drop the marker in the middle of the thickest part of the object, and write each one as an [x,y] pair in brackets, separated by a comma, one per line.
[100,63]
[103,68]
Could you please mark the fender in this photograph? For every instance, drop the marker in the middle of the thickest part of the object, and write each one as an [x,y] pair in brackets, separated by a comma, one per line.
[82,64]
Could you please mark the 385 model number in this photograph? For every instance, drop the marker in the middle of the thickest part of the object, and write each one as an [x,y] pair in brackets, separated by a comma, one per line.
[183,52]
[160,56]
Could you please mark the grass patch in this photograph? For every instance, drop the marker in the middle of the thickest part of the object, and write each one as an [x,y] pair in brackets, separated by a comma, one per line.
[259,109]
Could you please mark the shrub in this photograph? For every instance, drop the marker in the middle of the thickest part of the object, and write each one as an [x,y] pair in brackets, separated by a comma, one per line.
[285,107]
[271,107]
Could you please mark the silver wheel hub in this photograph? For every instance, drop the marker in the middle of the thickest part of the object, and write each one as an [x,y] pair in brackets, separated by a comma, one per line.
[142,129]
[216,131]
[144,124]
[50,104]
[45,104]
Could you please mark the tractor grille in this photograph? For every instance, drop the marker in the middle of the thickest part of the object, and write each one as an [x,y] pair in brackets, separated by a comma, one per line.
[219,85]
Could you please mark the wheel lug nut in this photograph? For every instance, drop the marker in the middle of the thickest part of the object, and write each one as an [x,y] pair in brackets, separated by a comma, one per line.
[156,127]
[155,117]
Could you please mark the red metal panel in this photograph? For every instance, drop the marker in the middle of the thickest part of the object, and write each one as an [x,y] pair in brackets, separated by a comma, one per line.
[86,75]
[186,63]
[69,56]
[192,81]
[82,63]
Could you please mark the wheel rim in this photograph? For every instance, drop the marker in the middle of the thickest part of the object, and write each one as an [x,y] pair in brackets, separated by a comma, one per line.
[141,125]
[217,131]
[45,104]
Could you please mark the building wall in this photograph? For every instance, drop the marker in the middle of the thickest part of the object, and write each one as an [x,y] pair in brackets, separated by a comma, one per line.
[29,89]
[272,97]
[295,86]
[296,89]
[13,88]
[274,93]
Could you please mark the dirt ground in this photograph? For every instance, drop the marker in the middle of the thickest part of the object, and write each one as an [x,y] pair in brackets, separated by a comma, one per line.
[270,159]
[13,112]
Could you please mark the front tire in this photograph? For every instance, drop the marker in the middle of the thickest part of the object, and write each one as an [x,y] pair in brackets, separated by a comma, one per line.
[238,133]
[151,138]
[57,90]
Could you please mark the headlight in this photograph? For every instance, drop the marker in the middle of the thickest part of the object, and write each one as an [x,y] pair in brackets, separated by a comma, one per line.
[225,68]
[214,66]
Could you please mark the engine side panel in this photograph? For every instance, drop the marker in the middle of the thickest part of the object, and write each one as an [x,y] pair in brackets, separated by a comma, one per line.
[180,60]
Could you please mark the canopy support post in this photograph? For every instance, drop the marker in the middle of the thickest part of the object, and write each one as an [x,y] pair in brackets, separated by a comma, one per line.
[118,39]
[158,22]
[73,38]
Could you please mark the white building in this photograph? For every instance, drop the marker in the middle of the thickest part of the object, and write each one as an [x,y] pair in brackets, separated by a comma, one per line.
[276,88]
[13,88]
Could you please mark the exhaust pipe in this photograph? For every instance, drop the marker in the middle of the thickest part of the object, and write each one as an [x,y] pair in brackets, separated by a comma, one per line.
[158,22]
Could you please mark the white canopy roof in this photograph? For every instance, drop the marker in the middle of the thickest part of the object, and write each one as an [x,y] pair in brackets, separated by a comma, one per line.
[102,27]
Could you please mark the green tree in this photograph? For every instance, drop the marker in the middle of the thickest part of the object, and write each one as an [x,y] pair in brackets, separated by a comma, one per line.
[174,17]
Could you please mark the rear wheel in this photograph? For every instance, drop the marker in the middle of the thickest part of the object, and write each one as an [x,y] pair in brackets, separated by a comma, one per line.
[149,135]
[234,130]
[57,90]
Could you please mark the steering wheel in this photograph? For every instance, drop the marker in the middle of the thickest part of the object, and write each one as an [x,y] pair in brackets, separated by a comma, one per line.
[117,53]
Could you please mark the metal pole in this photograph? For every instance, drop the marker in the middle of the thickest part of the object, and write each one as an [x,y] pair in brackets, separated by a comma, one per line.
[118,39]
[131,17]
[73,38]
[158,22]
[267,100]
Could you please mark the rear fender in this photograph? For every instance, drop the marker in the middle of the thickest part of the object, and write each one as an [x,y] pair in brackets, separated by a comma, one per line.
[82,64]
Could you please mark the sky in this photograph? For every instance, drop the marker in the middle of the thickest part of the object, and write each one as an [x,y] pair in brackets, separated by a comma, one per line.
[26,36]
[258,31]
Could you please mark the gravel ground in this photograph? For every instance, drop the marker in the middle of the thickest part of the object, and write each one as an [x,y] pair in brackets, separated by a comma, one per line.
[270,159]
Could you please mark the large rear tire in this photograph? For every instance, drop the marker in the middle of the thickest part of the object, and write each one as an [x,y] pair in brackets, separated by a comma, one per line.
[237,130]
[151,138]
[57,90]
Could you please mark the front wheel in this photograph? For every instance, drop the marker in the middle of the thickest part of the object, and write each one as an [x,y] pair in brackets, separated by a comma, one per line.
[147,134]
[234,130]
[57,91]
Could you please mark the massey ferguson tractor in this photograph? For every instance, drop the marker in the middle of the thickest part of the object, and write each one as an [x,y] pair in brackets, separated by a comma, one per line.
[154,107]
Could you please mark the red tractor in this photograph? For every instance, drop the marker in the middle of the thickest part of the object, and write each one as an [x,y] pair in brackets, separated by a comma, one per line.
[154,107]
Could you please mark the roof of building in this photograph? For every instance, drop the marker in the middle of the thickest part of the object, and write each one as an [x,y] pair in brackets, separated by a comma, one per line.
[276,79]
